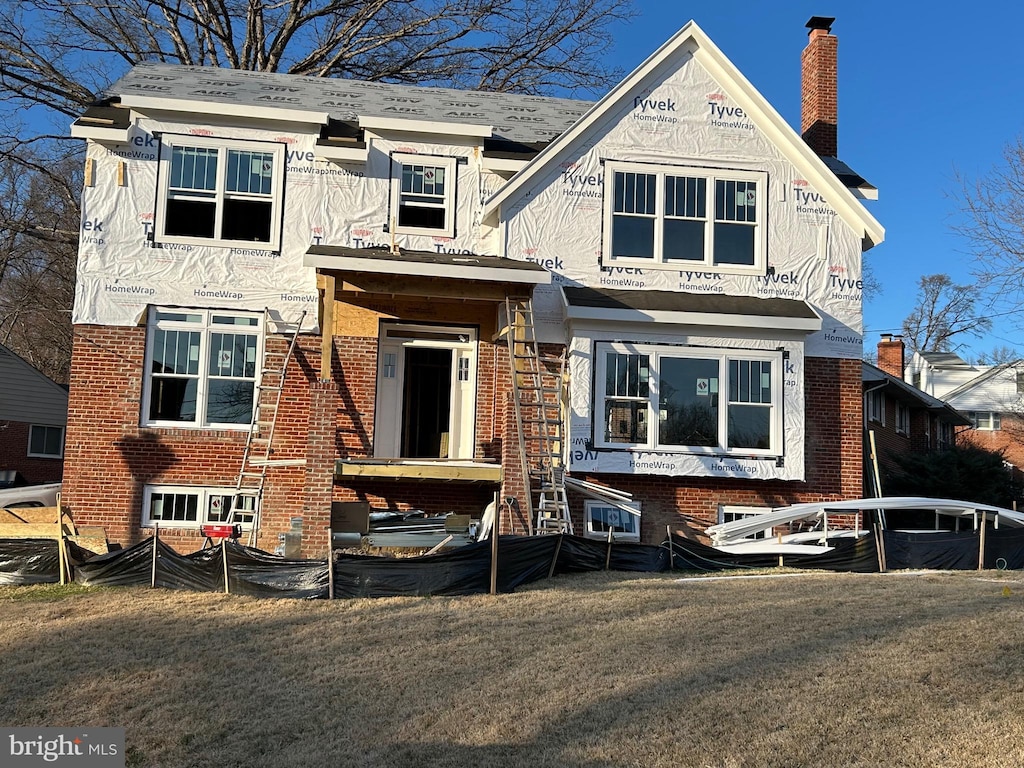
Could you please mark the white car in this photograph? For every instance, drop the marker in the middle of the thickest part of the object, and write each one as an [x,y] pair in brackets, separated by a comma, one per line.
[30,496]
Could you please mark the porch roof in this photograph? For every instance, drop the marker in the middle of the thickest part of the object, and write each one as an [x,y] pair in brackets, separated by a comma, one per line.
[689,309]
[457,266]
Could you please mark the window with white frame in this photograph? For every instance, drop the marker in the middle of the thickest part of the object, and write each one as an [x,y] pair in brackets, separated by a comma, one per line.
[45,442]
[689,399]
[623,522]
[875,406]
[989,421]
[729,513]
[220,192]
[188,506]
[423,194]
[686,218]
[902,418]
[201,368]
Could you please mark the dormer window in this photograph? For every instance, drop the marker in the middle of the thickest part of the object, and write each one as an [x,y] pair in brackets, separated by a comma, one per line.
[423,195]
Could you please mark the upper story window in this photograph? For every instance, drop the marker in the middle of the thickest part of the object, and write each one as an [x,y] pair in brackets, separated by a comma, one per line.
[220,192]
[985,420]
[902,418]
[423,194]
[684,218]
[45,442]
[875,406]
[691,399]
[200,368]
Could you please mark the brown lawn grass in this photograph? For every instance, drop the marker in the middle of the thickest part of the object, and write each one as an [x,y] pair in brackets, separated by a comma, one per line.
[587,671]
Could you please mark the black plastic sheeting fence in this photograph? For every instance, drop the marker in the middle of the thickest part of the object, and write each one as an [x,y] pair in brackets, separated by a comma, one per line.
[467,570]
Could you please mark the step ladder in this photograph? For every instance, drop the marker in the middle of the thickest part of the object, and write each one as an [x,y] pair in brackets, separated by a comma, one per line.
[538,395]
[258,456]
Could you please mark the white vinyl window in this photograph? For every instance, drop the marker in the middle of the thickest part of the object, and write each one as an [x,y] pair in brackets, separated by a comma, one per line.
[219,192]
[187,506]
[988,421]
[728,514]
[423,194]
[685,218]
[45,442]
[600,518]
[689,399]
[201,368]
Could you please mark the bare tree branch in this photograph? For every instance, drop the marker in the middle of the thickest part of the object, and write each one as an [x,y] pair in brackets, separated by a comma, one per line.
[943,311]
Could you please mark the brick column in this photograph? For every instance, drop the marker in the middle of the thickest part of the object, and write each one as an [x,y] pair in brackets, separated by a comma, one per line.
[321,452]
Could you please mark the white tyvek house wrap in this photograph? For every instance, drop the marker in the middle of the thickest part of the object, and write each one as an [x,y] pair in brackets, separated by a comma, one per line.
[121,271]
[685,118]
[585,458]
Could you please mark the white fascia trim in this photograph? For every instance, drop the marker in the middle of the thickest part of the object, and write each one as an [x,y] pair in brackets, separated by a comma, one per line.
[103,135]
[404,125]
[864,193]
[805,324]
[282,114]
[421,269]
[502,164]
[341,153]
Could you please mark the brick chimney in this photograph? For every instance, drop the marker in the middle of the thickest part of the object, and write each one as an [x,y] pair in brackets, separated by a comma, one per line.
[890,355]
[819,114]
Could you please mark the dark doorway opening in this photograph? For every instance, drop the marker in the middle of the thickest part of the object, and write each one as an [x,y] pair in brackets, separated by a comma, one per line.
[426,403]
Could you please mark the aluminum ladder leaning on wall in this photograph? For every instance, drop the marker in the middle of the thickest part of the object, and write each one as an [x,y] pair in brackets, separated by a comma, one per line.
[539,423]
[257,458]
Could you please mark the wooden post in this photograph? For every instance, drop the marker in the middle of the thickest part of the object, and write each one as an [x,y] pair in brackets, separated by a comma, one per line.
[330,565]
[224,556]
[495,532]
[879,541]
[156,541]
[608,554]
[61,554]
[554,560]
[780,554]
[327,327]
[671,549]
[981,544]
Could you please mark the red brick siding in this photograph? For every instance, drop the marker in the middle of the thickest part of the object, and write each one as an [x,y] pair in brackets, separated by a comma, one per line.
[14,455]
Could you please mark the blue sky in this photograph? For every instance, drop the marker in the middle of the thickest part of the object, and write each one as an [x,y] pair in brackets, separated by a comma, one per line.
[925,91]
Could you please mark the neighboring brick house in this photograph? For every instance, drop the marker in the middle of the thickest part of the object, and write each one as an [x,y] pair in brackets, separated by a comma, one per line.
[902,418]
[33,414]
[991,396]
[699,261]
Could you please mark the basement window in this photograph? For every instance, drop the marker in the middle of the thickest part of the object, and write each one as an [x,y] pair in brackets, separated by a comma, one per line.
[216,192]
[175,506]
[423,194]
[601,517]
[201,368]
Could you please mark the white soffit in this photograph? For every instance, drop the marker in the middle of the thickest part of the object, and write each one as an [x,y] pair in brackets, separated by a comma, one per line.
[281,114]
[692,40]
[718,320]
[341,153]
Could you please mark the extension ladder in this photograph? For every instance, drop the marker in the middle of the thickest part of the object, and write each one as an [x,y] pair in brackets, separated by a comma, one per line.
[246,503]
[539,424]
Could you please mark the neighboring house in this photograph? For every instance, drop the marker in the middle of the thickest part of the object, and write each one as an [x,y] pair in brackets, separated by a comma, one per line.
[991,396]
[697,259]
[33,414]
[902,418]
